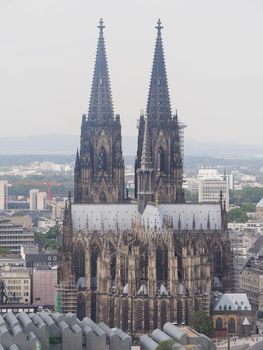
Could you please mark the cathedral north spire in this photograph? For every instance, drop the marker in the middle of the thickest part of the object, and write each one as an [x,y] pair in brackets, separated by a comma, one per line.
[100,106]
[158,106]
[99,167]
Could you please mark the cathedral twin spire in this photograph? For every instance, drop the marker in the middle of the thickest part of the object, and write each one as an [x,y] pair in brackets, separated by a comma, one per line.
[99,168]
[100,106]
[158,106]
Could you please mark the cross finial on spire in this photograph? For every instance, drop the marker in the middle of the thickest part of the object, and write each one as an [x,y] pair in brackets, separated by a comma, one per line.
[101,26]
[159,26]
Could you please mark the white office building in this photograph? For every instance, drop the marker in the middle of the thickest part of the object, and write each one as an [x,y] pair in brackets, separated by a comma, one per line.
[37,200]
[3,195]
[209,191]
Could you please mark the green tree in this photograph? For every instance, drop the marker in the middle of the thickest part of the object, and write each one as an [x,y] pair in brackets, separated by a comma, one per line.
[246,195]
[237,215]
[202,323]
[248,207]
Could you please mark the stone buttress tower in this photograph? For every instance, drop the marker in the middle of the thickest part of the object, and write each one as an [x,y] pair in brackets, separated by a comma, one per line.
[99,166]
[163,135]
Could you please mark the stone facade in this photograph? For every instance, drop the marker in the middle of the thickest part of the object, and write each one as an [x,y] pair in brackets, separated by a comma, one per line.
[140,263]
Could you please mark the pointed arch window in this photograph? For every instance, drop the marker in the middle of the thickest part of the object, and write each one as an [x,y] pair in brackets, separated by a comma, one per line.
[219,323]
[217,260]
[144,265]
[161,265]
[102,159]
[160,159]
[79,261]
[94,255]
[112,262]
[231,327]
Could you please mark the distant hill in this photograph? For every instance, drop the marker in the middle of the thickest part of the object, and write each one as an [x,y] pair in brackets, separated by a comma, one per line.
[67,144]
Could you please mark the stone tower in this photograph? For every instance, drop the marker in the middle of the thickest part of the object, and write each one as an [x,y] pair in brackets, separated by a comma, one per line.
[99,166]
[163,138]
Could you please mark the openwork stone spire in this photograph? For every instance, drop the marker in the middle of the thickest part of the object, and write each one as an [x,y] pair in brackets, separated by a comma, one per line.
[100,106]
[158,106]
[146,162]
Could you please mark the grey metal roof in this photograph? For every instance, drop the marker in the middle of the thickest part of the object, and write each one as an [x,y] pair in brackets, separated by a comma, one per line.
[121,216]
[233,301]
[103,216]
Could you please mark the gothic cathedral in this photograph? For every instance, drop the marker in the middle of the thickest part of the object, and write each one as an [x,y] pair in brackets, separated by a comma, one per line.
[139,262]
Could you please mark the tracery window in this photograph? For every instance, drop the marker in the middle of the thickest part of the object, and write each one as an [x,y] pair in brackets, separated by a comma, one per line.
[79,261]
[161,264]
[93,266]
[102,159]
[217,260]
[160,159]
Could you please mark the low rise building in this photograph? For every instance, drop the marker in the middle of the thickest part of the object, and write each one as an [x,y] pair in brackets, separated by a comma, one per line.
[17,282]
[44,280]
[36,259]
[12,260]
[251,283]
[232,315]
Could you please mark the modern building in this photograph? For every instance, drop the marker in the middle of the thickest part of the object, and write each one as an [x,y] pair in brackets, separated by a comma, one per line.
[232,315]
[210,191]
[184,338]
[44,281]
[3,195]
[41,201]
[14,236]
[37,200]
[17,282]
[33,199]
[139,262]
[57,331]
[211,174]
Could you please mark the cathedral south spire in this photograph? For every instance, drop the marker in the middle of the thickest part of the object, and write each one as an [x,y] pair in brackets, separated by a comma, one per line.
[158,106]
[163,145]
[100,106]
[99,167]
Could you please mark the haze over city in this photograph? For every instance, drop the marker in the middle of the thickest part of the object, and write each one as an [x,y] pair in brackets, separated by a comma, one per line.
[213,58]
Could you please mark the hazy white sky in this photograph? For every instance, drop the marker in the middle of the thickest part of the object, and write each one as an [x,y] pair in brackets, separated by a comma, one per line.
[214,59]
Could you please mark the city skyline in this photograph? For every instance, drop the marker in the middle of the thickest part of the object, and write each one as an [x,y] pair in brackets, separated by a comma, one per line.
[213,83]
